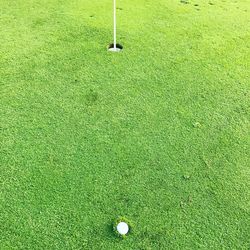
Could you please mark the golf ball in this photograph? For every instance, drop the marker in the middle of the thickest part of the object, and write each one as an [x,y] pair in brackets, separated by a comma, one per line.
[122,228]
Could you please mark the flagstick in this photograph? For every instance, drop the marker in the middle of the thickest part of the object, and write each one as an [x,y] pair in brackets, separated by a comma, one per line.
[115,24]
[115,47]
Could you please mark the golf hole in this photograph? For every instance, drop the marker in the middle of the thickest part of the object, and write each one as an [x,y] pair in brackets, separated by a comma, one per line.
[112,48]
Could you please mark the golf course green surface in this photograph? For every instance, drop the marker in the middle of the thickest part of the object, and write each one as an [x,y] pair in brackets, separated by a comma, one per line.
[158,133]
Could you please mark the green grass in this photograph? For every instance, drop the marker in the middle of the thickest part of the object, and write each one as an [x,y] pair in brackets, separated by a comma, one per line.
[158,133]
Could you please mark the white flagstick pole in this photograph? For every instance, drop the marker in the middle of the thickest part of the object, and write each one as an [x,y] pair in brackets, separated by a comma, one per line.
[115,24]
[114,47]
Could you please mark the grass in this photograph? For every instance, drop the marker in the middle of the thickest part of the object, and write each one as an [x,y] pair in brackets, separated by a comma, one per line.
[158,133]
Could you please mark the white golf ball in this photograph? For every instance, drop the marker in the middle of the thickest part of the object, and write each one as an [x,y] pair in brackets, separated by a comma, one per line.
[122,228]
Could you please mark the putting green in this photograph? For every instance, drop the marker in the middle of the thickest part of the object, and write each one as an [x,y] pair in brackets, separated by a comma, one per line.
[158,133]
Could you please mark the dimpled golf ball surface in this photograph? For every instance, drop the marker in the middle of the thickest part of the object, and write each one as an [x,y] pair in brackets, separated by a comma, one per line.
[122,228]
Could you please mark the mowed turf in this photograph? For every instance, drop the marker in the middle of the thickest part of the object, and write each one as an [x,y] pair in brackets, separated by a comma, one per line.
[158,133]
